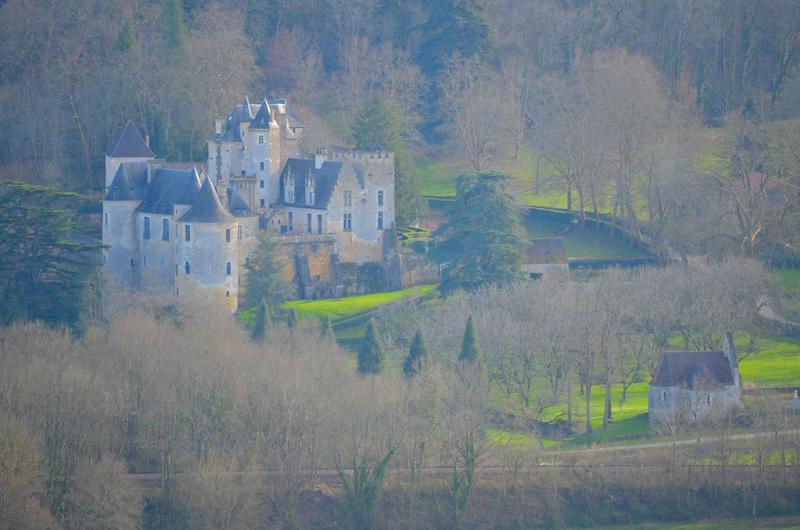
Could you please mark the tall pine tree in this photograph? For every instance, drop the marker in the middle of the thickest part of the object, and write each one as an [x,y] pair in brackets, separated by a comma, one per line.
[262,322]
[375,129]
[264,269]
[469,347]
[480,242]
[417,355]
[370,355]
[326,330]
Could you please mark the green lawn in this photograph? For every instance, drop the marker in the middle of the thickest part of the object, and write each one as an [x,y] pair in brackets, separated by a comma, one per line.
[777,363]
[338,308]
[581,244]
[435,178]
[788,283]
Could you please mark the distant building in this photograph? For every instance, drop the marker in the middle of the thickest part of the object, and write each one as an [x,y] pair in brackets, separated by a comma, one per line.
[546,259]
[179,228]
[689,387]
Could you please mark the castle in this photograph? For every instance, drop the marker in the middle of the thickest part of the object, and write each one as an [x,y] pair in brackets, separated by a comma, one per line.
[187,229]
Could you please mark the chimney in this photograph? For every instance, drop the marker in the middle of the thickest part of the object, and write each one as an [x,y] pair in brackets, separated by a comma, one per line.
[319,158]
[218,124]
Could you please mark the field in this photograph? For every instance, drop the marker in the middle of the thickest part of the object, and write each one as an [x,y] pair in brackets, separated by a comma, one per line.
[338,308]
[788,283]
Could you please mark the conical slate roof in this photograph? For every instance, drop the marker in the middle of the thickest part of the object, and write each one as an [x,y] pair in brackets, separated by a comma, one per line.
[262,117]
[130,144]
[129,183]
[207,207]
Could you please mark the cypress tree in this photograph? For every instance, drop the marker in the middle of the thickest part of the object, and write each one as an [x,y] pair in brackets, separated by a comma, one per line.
[469,348]
[326,330]
[370,355]
[291,321]
[261,322]
[172,24]
[416,356]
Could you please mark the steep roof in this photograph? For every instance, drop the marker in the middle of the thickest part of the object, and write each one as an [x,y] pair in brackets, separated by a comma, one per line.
[325,179]
[130,144]
[129,183]
[236,203]
[169,187]
[547,250]
[262,118]
[686,368]
[207,207]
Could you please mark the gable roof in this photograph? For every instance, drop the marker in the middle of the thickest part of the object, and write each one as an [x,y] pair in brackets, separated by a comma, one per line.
[546,250]
[130,144]
[169,187]
[686,368]
[325,179]
[129,183]
[262,118]
[207,207]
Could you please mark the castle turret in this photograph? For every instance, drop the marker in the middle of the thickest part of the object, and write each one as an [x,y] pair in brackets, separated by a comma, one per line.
[126,191]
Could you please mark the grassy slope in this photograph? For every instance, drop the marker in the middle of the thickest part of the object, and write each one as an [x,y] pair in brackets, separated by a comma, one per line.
[339,308]
[581,244]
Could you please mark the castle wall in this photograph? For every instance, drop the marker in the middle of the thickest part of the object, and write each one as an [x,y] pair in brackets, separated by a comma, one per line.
[156,256]
[208,254]
[121,255]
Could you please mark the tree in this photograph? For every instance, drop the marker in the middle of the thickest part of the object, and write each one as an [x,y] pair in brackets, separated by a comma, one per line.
[291,320]
[417,356]
[326,330]
[375,128]
[264,269]
[363,491]
[370,355]
[172,25]
[470,353]
[480,242]
[262,322]
[46,266]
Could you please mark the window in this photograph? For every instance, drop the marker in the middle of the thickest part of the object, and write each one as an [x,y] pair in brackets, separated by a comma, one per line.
[261,184]
[347,224]
[187,233]
[228,269]
[227,294]
[187,268]
[261,166]
[290,221]
[132,263]
[239,233]
[380,220]
[146,228]
[261,203]
[308,222]
[708,399]
[664,395]
[309,197]
[319,223]
[144,262]
[348,199]
[105,218]
[227,235]
[261,138]
[165,229]
[380,197]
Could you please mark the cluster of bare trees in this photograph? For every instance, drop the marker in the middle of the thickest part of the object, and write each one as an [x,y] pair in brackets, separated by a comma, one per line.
[542,341]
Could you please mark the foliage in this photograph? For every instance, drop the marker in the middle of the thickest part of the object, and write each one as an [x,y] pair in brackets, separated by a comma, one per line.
[370,354]
[262,322]
[469,353]
[375,129]
[264,268]
[47,266]
[363,490]
[172,24]
[417,356]
[480,241]
[291,319]
[326,329]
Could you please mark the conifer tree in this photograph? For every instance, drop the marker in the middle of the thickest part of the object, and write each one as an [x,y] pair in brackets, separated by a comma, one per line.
[291,321]
[172,24]
[326,330]
[261,322]
[416,356]
[370,355]
[376,129]
[469,347]
[264,273]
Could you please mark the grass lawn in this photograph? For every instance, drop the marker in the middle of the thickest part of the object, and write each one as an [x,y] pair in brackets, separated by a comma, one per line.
[435,178]
[788,282]
[580,244]
[338,308]
[777,363]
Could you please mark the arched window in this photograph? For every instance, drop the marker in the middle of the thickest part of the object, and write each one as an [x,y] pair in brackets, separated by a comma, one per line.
[228,269]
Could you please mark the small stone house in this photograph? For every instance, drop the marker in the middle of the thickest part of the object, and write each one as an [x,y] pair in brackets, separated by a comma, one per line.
[692,386]
[546,259]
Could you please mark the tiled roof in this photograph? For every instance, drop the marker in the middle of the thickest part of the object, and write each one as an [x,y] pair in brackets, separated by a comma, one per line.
[207,207]
[129,183]
[688,368]
[169,187]
[130,144]
[325,179]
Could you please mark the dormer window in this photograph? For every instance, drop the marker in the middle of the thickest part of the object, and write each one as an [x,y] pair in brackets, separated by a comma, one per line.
[309,190]
[288,189]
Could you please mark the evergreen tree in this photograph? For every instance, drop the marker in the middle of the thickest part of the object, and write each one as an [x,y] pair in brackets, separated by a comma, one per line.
[416,356]
[375,129]
[172,24]
[46,266]
[480,242]
[370,355]
[326,330]
[262,321]
[291,320]
[469,347]
[264,268]
[127,38]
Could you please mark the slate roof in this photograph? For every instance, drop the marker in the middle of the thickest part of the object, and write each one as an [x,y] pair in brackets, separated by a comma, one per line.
[684,368]
[547,250]
[325,179]
[207,207]
[129,182]
[262,118]
[130,144]
[169,187]
[236,204]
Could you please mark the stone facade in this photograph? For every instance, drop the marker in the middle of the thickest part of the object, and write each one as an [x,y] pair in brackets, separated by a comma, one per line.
[186,231]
